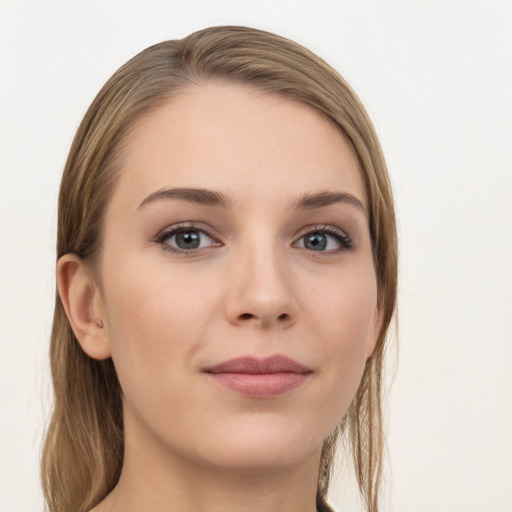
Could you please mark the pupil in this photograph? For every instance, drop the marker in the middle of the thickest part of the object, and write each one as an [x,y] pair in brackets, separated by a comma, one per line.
[316,242]
[187,240]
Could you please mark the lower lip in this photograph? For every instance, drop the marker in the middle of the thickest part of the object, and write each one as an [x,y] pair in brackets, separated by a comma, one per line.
[260,385]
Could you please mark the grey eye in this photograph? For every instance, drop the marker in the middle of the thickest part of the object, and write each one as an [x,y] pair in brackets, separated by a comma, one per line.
[187,239]
[323,241]
[315,241]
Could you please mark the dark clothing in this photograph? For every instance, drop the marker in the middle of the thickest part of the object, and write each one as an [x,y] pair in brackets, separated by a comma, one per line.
[322,505]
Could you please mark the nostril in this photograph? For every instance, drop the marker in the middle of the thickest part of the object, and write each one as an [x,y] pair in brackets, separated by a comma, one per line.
[248,316]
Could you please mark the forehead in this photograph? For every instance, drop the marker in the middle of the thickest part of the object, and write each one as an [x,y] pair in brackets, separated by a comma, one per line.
[253,145]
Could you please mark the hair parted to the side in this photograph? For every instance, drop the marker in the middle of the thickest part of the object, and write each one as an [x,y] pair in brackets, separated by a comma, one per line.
[83,451]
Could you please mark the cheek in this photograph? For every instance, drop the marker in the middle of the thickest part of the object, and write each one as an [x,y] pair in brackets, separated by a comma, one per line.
[157,322]
[345,306]
[345,315]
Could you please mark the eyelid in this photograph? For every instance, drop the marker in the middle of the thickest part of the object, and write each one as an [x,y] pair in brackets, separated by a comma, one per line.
[174,229]
[344,240]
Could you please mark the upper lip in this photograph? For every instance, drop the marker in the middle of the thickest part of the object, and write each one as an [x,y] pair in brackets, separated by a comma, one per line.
[256,365]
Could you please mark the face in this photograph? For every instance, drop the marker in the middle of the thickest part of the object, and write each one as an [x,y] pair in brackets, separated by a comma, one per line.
[236,279]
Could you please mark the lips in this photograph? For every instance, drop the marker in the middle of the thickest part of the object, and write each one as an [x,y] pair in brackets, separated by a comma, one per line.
[259,378]
[253,365]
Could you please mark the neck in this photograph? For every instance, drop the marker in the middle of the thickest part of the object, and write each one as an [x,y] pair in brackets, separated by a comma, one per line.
[155,479]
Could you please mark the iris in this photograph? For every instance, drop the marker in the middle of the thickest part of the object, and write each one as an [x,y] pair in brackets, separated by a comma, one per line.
[315,241]
[188,239]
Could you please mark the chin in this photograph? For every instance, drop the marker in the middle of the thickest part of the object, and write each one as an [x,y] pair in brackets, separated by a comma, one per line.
[262,448]
[257,461]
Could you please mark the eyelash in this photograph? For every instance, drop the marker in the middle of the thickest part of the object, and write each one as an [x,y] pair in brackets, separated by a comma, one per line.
[341,237]
[180,228]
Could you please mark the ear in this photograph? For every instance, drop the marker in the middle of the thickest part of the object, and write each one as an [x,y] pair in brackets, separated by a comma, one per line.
[374,331]
[83,304]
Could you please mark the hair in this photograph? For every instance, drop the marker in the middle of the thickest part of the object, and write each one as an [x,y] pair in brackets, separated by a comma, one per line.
[83,451]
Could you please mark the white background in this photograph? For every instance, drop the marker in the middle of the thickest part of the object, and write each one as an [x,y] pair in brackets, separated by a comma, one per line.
[436,77]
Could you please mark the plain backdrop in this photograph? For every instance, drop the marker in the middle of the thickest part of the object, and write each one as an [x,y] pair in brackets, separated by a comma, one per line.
[436,78]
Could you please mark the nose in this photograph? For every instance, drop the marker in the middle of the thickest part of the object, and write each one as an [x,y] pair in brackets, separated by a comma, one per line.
[260,289]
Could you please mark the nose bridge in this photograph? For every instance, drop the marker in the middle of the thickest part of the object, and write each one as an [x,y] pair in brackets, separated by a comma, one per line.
[260,288]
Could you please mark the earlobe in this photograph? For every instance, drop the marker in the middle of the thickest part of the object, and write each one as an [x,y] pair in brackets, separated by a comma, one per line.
[82,302]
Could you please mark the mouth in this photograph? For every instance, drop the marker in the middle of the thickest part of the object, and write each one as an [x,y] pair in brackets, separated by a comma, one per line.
[259,378]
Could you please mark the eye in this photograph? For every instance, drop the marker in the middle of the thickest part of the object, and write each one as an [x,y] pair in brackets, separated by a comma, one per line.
[185,239]
[325,239]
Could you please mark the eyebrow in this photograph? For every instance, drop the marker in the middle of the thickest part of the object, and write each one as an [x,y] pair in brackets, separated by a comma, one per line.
[327,198]
[209,197]
[192,195]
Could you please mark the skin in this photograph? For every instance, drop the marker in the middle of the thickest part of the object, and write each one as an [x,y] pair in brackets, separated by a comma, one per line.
[253,287]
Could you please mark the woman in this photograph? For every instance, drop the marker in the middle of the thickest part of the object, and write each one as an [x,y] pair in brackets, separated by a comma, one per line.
[226,277]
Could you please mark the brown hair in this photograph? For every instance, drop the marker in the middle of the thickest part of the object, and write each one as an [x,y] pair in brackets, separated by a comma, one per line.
[83,451]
